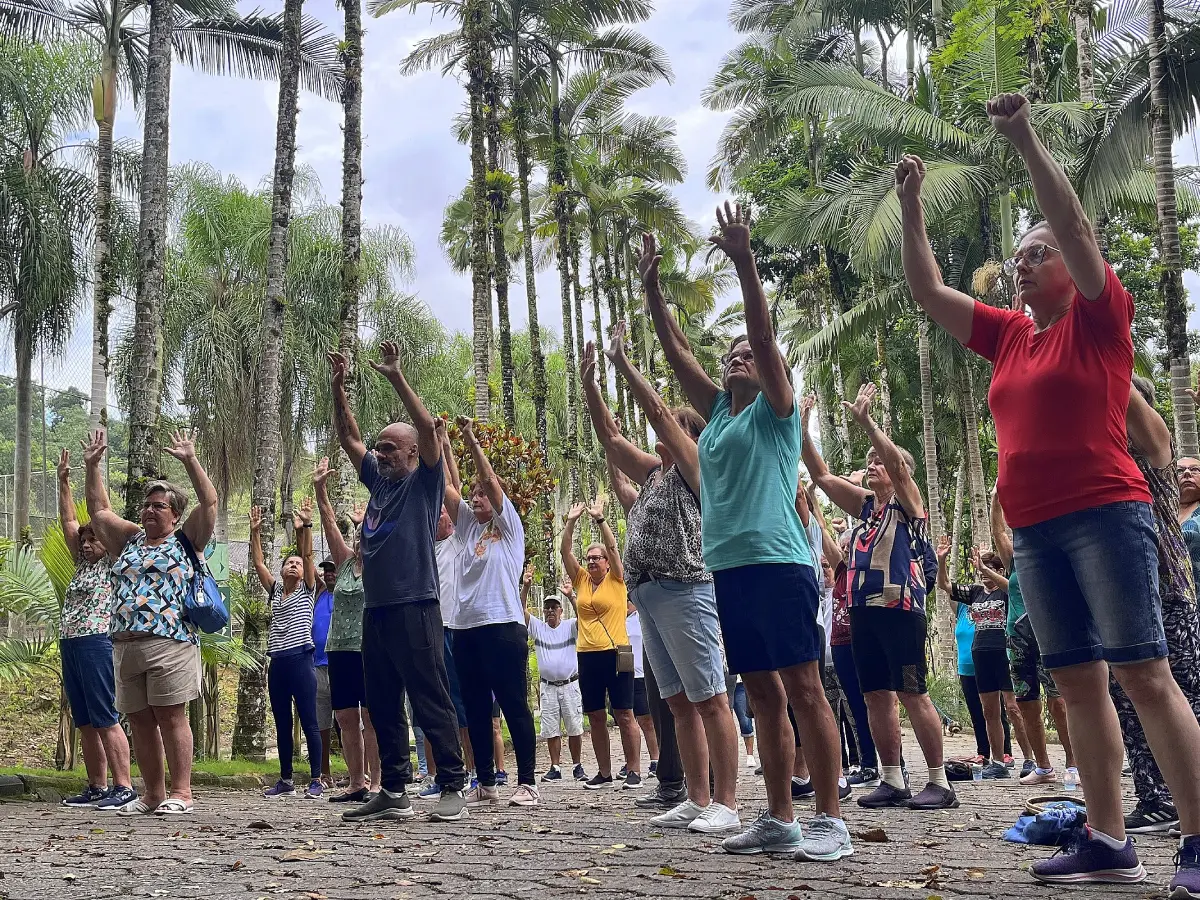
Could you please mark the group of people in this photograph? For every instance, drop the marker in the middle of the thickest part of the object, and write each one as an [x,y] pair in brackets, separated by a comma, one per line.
[746,599]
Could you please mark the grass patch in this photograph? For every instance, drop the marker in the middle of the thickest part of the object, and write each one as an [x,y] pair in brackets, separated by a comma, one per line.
[206,766]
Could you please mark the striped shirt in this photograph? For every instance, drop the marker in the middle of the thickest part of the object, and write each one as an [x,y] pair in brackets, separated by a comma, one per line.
[291,620]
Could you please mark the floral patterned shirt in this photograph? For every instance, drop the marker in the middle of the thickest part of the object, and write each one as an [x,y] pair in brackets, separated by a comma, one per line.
[87,606]
[346,626]
[150,584]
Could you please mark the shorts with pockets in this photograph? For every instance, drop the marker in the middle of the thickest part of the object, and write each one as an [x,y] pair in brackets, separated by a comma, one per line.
[561,709]
[88,679]
[155,671]
[1029,675]
[599,678]
[768,616]
[889,649]
[681,637]
[347,685]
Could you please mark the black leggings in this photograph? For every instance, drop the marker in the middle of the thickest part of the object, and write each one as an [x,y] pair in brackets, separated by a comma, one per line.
[294,678]
[978,722]
[491,661]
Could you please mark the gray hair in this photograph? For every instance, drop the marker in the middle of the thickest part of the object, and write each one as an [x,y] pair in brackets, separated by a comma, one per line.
[909,462]
[176,496]
[1145,387]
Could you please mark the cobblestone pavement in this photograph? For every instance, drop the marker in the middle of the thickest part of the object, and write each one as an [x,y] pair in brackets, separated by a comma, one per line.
[238,845]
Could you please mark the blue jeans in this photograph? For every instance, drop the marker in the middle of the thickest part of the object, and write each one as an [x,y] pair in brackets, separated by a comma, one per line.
[682,637]
[422,762]
[1090,580]
[741,709]
[293,677]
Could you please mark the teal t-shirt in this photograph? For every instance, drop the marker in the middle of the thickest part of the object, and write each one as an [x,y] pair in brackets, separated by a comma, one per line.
[964,637]
[749,467]
[1016,600]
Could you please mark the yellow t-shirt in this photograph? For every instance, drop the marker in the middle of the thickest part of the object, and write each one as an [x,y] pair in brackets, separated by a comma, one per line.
[604,603]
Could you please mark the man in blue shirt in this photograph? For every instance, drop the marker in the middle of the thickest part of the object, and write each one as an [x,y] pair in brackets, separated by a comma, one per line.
[322,614]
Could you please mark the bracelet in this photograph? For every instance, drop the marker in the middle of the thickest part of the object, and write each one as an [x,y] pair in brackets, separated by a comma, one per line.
[599,521]
[306,525]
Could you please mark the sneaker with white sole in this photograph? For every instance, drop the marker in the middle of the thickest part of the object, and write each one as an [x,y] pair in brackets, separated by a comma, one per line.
[117,797]
[88,797]
[766,834]
[524,795]
[1151,818]
[451,807]
[1040,776]
[481,795]
[751,762]
[825,839]
[137,807]
[716,818]
[679,816]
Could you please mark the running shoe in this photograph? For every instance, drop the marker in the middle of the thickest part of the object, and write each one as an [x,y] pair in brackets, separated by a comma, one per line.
[554,773]
[886,796]
[481,795]
[524,795]
[431,791]
[679,816]
[117,796]
[624,771]
[766,834]
[652,772]
[1084,858]
[1039,777]
[802,789]
[994,770]
[501,778]
[314,790]
[89,796]
[715,819]
[598,781]
[662,798]
[1009,762]
[281,789]
[864,777]
[1186,883]
[451,807]
[359,796]
[844,789]
[934,796]
[1027,766]
[632,780]
[384,805]
[825,839]
[751,762]
[578,774]
[1150,818]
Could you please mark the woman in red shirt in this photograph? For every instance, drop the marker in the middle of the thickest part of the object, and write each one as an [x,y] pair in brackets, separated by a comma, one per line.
[1082,524]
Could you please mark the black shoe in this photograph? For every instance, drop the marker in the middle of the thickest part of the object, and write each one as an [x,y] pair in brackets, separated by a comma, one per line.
[624,771]
[598,781]
[844,790]
[653,772]
[632,780]
[886,796]
[662,798]
[995,770]
[864,778]
[381,806]
[934,797]
[578,774]
[802,789]
[359,796]
[1151,818]
[554,773]
[758,770]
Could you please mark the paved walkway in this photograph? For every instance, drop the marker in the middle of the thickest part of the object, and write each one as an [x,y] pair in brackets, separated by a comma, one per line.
[238,845]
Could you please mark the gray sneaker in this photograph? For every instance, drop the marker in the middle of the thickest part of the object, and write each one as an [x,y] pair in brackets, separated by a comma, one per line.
[825,840]
[766,834]
[451,807]
[382,806]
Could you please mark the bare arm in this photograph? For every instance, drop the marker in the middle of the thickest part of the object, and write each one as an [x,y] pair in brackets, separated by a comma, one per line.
[526,583]
[1000,537]
[626,493]
[428,443]
[984,569]
[628,457]
[945,545]
[452,495]
[483,469]
[265,578]
[302,522]
[700,389]
[566,545]
[889,454]
[1055,196]
[199,525]
[830,548]
[339,550]
[615,566]
[734,240]
[343,419]
[844,494]
[66,505]
[951,309]
[1147,430]
[113,531]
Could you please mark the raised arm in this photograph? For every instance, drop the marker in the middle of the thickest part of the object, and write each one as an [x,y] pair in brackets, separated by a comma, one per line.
[302,523]
[344,422]
[200,522]
[844,494]
[526,584]
[113,531]
[626,493]
[889,454]
[1147,430]
[830,548]
[483,469]
[628,457]
[265,578]
[339,550]
[428,443]
[984,569]
[1055,196]
[615,566]
[700,389]
[734,240]
[951,309]
[1001,540]
[66,505]
[944,546]
[567,544]
[452,493]
[683,448]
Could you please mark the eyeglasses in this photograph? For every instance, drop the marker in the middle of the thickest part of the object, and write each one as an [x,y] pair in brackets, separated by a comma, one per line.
[730,358]
[1033,257]
[1187,470]
[156,505]
[595,558]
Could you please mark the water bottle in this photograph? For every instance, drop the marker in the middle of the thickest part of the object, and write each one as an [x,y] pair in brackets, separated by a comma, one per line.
[976,772]
[1070,779]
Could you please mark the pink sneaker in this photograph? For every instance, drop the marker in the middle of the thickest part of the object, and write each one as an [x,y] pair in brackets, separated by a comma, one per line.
[524,795]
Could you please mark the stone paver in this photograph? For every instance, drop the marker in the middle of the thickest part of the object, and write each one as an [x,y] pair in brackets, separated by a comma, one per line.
[577,843]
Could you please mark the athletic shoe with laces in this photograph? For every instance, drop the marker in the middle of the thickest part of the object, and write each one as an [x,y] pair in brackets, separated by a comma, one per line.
[1151,818]
[524,795]
[885,796]
[598,781]
[1036,777]
[384,805]
[451,807]
[117,796]
[314,790]
[1009,762]
[934,796]
[1027,766]
[662,798]
[652,772]
[716,819]
[844,789]
[679,816]
[994,770]
[281,789]
[864,777]
[501,778]
[578,774]
[802,789]
[624,771]
[89,796]
[632,780]
[359,796]
[766,834]
[482,795]
[751,762]
[825,839]
[554,773]
[1186,883]
[431,791]
[1085,858]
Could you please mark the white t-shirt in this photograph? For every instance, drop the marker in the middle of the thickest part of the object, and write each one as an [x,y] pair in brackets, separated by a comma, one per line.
[489,587]
[449,568]
[557,657]
[633,626]
[825,617]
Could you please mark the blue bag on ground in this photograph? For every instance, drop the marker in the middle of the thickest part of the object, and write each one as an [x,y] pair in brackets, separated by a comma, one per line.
[1051,827]
[203,605]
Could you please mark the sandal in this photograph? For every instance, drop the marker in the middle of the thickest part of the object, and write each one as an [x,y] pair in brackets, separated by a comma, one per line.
[173,806]
[136,807]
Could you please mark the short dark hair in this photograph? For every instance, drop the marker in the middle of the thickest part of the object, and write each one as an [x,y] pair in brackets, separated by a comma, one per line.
[86,531]
[329,564]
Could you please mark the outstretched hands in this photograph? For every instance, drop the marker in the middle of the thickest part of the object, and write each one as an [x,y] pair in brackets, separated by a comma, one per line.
[596,510]
[183,445]
[616,349]
[576,512]
[338,367]
[389,360]
[255,518]
[321,472]
[807,403]
[944,546]
[94,447]
[734,236]
[587,367]
[860,409]
[649,260]
[64,467]
[302,514]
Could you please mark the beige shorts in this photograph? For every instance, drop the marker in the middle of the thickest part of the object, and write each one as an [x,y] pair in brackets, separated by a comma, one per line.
[155,671]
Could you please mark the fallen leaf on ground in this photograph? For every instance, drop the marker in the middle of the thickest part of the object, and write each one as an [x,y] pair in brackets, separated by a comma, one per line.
[574,873]
[235,866]
[618,846]
[586,880]
[672,872]
[295,855]
[873,836]
[976,873]
[97,831]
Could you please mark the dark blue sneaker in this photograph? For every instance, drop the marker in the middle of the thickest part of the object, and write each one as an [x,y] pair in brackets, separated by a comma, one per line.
[314,790]
[802,789]
[282,789]
[1186,883]
[578,774]
[554,773]
[995,770]
[501,778]
[653,773]
[1028,766]
[1084,858]
[89,796]
[431,791]
[116,797]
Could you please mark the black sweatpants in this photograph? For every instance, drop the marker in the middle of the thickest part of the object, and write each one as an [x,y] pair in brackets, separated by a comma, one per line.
[492,661]
[670,766]
[291,678]
[402,650]
[978,721]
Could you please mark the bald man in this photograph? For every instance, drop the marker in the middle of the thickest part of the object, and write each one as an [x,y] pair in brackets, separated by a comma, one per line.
[402,622]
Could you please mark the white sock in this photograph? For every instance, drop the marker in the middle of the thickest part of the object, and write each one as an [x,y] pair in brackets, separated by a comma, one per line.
[937,775]
[894,776]
[392,794]
[842,781]
[1107,840]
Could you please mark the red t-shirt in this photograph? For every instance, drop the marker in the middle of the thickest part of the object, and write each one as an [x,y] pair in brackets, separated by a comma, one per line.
[1059,398]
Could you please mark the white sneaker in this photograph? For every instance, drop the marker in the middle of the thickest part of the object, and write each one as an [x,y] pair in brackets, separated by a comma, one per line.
[751,762]
[715,819]
[680,816]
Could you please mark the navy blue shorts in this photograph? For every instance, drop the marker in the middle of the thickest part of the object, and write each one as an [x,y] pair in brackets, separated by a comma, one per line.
[347,685]
[89,681]
[455,691]
[768,616]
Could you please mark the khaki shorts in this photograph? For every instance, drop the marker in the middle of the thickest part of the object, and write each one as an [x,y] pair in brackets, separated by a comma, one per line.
[155,671]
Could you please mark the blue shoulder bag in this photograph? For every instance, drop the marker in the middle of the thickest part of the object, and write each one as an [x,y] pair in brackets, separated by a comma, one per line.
[203,605]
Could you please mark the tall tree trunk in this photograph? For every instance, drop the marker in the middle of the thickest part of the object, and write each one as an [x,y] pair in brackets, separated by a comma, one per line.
[981,533]
[885,379]
[943,614]
[250,730]
[498,207]
[104,286]
[1170,285]
[352,181]
[210,695]
[615,314]
[587,443]
[289,428]
[598,331]
[562,218]
[956,531]
[146,358]
[23,351]
[1081,18]
[476,20]
[197,721]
